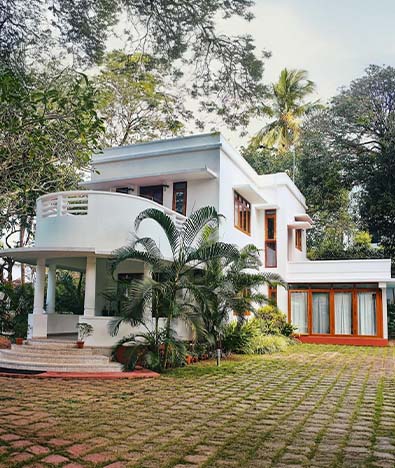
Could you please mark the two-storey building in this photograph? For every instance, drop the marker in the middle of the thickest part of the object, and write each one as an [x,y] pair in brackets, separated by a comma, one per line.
[335,301]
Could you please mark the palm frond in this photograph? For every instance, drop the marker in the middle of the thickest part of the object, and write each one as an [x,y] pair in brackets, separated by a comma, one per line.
[197,221]
[165,222]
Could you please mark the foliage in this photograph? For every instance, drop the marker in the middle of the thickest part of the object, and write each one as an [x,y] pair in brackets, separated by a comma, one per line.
[134,100]
[391,320]
[273,322]
[288,98]
[15,305]
[84,330]
[49,128]
[234,283]
[269,344]
[173,281]
[147,350]
[69,293]
[239,338]
[268,161]
[223,72]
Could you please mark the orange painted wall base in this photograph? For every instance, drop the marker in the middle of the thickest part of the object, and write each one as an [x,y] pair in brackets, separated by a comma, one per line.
[343,340]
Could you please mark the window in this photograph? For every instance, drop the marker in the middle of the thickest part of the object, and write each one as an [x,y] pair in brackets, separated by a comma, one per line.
[354,311]
[343,313]
[299,311]
[298,239]
[270,239]
[366,313]
[321,313]
[122,190]
[180,197]
[152,192]
[242,213]
[272,294]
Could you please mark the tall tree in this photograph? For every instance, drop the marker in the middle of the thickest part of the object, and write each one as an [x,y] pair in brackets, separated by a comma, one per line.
[365,138]
[222,72]
[48,130]
[288,106]
[135,101]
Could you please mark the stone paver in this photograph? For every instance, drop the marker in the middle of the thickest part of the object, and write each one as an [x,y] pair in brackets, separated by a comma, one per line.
[317,406]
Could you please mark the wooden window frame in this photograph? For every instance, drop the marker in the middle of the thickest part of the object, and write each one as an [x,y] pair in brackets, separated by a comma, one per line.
[184,190]
[354,291]
[298,239]
[270,214]
[152,187]
[241,205]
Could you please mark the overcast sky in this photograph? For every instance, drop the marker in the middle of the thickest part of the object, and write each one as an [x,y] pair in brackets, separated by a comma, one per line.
[334,40]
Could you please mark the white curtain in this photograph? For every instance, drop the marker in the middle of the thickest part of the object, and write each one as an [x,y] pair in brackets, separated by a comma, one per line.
[321,313]
[343,313]
[299,311]
[366,313]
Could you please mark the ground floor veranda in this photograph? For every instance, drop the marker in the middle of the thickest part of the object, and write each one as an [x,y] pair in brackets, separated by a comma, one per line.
[334,313]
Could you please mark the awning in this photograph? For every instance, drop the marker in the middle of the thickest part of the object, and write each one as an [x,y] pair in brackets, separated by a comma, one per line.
[304,217]
[250,193]
[299,225]
[197,173]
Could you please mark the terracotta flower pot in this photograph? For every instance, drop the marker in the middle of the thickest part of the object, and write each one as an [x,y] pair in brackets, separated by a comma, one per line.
[188,359]
[80,344]
[19,341]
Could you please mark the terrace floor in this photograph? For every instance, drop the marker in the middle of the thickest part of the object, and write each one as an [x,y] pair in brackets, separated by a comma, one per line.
[311,406]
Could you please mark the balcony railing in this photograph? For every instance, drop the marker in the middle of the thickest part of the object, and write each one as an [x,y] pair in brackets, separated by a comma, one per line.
[103,220]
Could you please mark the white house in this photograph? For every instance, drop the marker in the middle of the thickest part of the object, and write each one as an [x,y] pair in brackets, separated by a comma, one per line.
[329,301]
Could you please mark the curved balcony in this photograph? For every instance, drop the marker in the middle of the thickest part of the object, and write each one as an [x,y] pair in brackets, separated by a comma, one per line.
[93,219]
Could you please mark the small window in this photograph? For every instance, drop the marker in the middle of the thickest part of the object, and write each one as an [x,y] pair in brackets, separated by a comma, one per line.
[180,197]
[152,192]
[122,190]
[298,239]
[270,239]
[242,213]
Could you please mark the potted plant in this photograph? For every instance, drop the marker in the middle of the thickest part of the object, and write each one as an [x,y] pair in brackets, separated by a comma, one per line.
[19,341]
[84,330]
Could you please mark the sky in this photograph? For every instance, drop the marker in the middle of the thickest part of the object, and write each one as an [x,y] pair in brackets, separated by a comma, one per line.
[334,40]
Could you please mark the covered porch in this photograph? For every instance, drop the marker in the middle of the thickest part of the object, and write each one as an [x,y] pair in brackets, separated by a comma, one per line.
[99,309]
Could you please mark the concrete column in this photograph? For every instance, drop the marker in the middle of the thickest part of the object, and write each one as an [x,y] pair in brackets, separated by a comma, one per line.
[39,287]
[51,289]
[90,287]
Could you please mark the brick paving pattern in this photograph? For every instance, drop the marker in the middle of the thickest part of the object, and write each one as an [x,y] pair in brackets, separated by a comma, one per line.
[318,406]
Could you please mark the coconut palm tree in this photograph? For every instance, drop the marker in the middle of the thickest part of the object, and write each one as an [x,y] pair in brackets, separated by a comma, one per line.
[288,107]
[172,291]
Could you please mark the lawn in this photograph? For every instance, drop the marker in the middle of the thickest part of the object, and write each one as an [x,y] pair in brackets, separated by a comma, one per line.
[311,406]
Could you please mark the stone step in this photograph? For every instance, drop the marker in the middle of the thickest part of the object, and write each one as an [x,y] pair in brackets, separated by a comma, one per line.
[48,343]
[54,367]
[38,349]
[19,356]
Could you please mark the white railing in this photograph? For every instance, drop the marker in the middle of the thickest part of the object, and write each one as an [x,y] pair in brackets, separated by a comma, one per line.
[76,203]
[63,204]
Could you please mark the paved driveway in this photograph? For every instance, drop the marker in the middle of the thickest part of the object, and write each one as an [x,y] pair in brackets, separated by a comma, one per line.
[312,406]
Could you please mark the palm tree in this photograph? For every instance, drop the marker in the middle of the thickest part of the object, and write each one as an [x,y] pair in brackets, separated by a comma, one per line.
[289,106]
[172,291]
[234,284]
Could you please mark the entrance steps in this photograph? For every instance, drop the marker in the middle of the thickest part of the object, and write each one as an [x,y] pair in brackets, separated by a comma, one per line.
[55,356]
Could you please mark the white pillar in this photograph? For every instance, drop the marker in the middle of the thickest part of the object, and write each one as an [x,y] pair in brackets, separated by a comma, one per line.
[51,289]
[39,287]
[90,287]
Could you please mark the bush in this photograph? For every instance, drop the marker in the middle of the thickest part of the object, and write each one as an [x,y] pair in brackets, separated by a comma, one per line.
[15,306]
[247,338]
[391,320]
[268,344]
[238,338]
[273,322]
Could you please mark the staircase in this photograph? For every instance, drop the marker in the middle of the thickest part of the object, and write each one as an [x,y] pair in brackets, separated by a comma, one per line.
[55,356]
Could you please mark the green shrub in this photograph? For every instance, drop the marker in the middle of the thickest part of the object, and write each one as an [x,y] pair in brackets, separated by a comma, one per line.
[391,320]
[273,322]
[238,338]
[268,344]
